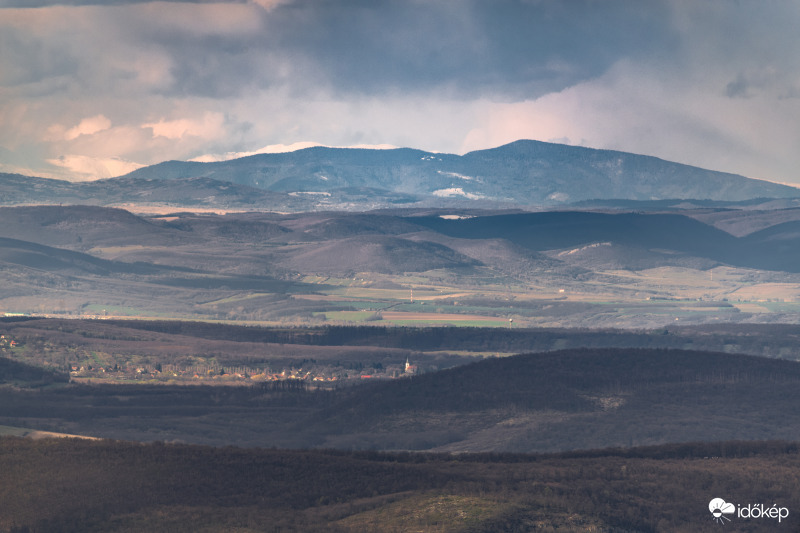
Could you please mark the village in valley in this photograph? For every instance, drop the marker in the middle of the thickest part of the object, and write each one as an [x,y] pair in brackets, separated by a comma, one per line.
[312,375]
[103,368]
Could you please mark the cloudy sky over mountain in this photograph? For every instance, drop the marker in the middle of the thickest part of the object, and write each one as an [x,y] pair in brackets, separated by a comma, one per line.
[92,88]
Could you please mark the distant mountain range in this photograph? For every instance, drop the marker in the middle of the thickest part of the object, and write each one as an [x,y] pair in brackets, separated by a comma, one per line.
[520,174]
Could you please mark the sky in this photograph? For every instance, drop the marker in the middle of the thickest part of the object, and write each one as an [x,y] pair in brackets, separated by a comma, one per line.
[94,89]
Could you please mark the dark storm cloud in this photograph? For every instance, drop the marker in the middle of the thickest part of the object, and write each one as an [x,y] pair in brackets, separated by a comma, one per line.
[503,49]
[215,66]
[507,49]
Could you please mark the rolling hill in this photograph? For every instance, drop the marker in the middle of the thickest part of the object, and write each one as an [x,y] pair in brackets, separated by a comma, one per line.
[74,258]
[687,241]
[403,241]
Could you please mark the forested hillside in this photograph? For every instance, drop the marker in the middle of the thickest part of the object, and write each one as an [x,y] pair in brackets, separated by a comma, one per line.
[92,486]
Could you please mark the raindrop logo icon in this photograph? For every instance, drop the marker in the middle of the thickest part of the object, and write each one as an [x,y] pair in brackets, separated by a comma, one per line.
[719,508]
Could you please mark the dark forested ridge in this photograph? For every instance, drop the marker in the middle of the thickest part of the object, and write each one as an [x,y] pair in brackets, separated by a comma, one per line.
[70,485]
[769,340]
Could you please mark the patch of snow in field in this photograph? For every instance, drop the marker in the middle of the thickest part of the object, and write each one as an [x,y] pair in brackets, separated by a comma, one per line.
[576,250]
[457,175]
[456,191]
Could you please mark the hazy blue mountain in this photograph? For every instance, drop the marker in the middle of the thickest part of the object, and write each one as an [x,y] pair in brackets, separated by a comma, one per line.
[520,173]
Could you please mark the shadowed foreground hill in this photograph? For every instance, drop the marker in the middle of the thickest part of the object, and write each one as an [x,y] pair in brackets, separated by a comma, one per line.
[556,401]
[575,399]
[70,485]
